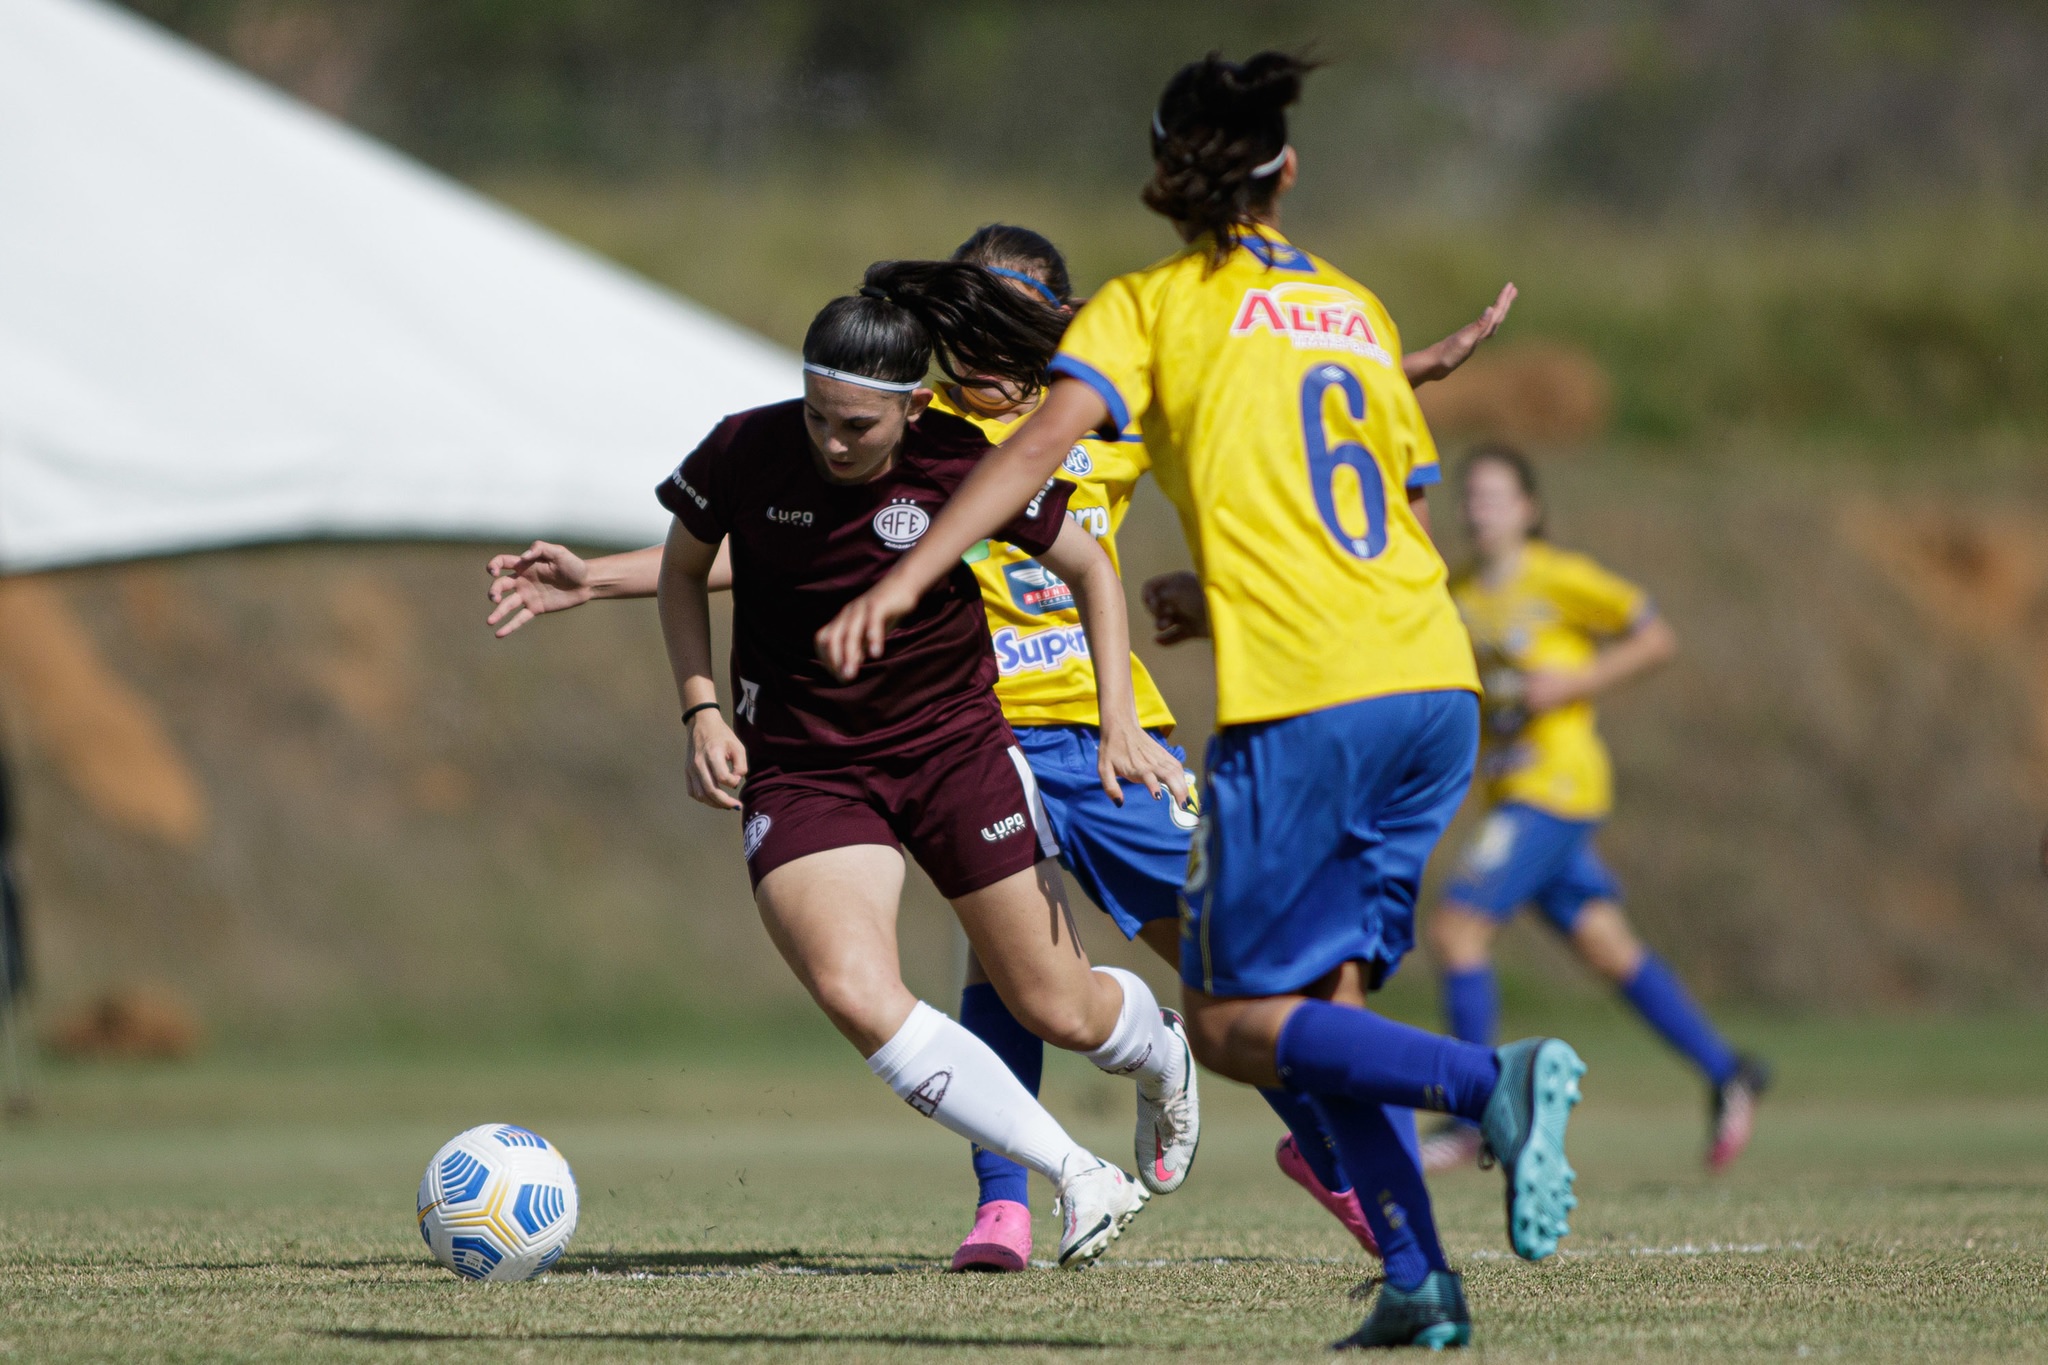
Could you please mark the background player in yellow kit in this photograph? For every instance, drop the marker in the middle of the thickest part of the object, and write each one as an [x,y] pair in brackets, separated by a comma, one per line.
[1279,422]
[1552,631]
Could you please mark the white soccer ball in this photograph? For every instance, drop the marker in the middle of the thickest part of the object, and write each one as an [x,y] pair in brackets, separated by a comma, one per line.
[498,1203]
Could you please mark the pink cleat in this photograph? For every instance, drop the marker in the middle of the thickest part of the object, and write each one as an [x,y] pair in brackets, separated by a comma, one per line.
[1000,1241]
[1344,1206]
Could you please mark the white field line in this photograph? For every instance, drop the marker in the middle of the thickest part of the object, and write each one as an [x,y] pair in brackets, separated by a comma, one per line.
[1683,1249]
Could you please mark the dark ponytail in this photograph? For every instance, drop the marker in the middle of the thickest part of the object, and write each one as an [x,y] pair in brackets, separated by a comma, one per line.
[1215,124]
[1002,247]
[910,313]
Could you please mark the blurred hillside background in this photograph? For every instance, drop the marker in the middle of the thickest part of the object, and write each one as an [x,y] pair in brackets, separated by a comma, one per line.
[1782,348]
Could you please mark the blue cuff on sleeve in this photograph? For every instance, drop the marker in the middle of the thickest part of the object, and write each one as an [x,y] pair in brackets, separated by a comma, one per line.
[1423,476]
[1119,411]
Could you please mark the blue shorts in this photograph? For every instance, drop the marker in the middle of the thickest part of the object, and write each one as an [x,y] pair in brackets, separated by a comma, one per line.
[1315,830]
[1521,855]
[1130,859]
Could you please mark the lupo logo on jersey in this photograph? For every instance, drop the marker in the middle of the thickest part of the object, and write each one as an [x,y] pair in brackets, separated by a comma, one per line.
[1078,462]
[1314,317]
[901,524]
[1037,589]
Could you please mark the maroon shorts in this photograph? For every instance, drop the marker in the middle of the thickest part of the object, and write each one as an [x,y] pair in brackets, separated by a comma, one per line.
[967,809]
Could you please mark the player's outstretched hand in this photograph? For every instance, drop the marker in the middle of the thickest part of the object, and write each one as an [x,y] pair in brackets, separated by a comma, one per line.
[718,761]
[1129,752]
[1179,610]
[545,578]
[855,635]
[1459,345]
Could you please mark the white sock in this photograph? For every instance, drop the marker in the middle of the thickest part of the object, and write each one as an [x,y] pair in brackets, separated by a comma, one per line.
[946,1073]
[1140,1046]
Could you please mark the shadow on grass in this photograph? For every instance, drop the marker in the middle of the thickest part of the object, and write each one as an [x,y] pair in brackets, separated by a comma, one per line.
[358,1263]
[403,1336]
[788,1260]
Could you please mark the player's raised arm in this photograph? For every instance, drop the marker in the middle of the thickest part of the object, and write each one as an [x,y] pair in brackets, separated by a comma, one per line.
[1126,750]
[718,761]
[1000,487]
[1434,362]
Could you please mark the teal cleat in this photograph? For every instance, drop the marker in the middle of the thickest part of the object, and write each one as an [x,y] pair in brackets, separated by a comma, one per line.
[1433,1315]
[1524,1131]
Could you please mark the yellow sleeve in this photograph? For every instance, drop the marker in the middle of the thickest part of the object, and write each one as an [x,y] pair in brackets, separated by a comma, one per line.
[1108,347]
[1420,464]
[1591,599]
[1425,466]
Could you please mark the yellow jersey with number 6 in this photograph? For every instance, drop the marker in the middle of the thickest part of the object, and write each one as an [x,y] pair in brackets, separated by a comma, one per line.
[1281,427]
[1044,675]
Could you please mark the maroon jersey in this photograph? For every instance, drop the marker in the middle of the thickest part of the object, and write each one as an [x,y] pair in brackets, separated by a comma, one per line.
[803,547]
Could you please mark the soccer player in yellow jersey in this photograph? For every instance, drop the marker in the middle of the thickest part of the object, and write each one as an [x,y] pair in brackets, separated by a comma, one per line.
[1552,631]
[1279,421]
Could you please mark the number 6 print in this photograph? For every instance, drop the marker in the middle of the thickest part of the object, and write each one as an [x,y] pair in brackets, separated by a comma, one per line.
[1324,461]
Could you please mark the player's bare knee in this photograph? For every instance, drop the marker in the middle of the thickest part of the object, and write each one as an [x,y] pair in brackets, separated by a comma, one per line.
[1056,1018]
[1209,1037]
[1461,939]
[851,999]
[1605,941]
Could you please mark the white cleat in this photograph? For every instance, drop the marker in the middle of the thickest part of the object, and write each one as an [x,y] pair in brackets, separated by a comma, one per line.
[1095,1205]
[1170,1127]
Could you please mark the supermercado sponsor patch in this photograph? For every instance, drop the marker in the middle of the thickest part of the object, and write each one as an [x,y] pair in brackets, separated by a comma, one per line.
[1038,651]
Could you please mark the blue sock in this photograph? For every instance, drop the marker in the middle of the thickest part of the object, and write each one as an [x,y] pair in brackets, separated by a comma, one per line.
[1390,1188]
[1328,1049]
[983,1014]
[1404,1129]
[1669,1008]
[1472,1005]
[1299,1114]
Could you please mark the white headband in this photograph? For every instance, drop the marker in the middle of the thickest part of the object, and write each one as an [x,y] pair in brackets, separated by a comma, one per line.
[864,380]
[1260,172]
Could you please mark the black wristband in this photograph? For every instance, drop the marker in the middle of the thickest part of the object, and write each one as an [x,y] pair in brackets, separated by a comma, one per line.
[700,706]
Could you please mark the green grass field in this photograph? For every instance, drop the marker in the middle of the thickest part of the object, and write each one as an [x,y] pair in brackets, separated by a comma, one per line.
[766,1199]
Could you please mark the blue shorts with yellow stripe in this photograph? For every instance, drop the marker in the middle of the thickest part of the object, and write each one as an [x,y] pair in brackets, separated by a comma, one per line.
[1315,831]
[1129,859]
[1523,856]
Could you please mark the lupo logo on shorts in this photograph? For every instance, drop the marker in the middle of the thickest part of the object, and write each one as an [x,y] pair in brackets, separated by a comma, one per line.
[1004,828]
[902,524]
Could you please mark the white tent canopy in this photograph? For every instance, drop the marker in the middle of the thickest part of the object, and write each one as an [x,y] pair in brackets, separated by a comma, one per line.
[226,318]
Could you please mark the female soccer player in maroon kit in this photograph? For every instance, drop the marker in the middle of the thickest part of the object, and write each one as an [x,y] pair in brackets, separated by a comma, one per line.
[817,499]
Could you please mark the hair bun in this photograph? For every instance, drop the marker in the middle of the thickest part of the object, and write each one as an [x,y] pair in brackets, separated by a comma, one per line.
[1267,82]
